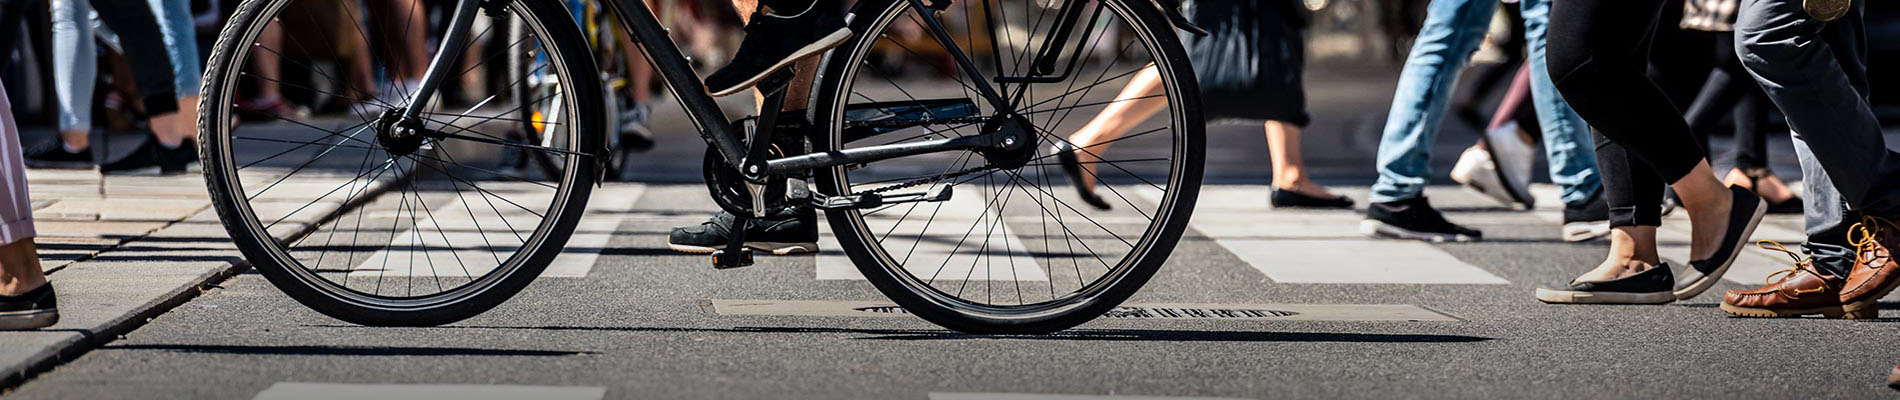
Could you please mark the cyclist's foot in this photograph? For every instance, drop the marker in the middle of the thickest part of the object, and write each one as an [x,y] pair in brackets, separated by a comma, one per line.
[634,134]
[793,231]
[167,160]
[774,41]
[513,159]
[1413,219]
[52,153]
[35,309]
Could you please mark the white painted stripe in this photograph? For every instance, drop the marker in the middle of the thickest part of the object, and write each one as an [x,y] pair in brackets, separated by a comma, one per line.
[987,254]
[1752,267]
[1038,396]
[325,391]
[1319,246]
[607,207]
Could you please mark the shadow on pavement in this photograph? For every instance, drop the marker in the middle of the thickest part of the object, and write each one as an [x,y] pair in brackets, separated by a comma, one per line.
[1130,335]
[341,350]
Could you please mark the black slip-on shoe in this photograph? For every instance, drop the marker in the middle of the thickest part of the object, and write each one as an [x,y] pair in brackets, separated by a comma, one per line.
[772,42]
[52,154]
[1071,166]
[34,309]
[1281,198]
[1413,219]
[1743,216]
[1652,286]
[150,154]
[792,231]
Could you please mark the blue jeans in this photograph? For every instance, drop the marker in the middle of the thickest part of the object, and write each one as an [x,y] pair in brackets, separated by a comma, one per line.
[74,63]
[1452,31]
[181,42]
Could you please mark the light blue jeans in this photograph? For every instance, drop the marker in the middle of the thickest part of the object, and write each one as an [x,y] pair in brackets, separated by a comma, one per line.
[1452,31]
[75,63]
[181,42]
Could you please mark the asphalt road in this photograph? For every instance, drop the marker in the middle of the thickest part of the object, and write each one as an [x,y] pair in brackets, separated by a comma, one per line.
[639,321]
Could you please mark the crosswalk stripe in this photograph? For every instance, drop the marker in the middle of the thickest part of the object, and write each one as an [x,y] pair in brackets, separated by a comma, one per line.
[1318,246]
[1004,257]
[314,391]
[607,207]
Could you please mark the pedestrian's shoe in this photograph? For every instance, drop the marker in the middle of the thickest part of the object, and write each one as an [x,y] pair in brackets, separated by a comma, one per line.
[1071,166]
[1477,172]
[1875,272]
[774,41]
[52,153]
[34,309]
[1826,10]
[1282,198]
[1587,221]
[1800,290]
[1744,214]
[152,154]
[1652,286]
[634,133]
[792,231]
[1514,158]
[1893,379]
[1413,219]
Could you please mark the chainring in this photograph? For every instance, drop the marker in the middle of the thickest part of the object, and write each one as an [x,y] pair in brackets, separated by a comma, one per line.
[729,189]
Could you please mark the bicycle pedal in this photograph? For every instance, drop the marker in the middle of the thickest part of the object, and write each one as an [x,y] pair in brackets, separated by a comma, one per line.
[723,260]
[778,81]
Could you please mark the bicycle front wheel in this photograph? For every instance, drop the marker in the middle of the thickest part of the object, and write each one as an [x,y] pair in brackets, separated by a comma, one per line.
[1016,248]
[374,228]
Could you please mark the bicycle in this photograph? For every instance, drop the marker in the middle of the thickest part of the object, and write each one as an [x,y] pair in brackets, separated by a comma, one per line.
[875,156]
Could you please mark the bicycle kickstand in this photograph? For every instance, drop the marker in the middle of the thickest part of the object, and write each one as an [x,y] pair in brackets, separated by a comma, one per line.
[774,86]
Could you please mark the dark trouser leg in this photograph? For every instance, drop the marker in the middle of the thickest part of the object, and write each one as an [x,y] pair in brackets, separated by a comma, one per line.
[144,45]
[1630,187]
[1598,55]
[1816,73]
[1827,217]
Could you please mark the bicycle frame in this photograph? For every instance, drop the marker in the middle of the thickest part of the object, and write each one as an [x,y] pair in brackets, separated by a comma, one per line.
[712,122]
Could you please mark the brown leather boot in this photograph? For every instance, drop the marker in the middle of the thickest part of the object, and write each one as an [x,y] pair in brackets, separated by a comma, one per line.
[1800,291]
[1875,272]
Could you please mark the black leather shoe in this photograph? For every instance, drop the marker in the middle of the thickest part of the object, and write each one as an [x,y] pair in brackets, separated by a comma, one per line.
[1743,216]
[1652,286]
[1291,199]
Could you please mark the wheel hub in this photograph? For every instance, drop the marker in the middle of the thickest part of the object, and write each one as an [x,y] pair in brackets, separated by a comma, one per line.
[398,137]
[1018,145]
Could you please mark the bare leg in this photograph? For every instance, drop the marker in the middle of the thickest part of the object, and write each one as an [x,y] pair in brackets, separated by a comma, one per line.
[1707,202]
[20,268]
[1770,188]
[1289,170]
[1134,104]
[265,63]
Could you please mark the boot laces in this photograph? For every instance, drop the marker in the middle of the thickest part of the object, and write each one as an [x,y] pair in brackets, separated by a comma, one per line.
[1863,237]
[1802,264]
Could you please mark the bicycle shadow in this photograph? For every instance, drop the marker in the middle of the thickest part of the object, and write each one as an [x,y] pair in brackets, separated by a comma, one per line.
[1107,335]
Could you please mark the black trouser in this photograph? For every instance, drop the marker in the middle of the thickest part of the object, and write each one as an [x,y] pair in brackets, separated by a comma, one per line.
[1729,91]
[144,46]
[1599,52]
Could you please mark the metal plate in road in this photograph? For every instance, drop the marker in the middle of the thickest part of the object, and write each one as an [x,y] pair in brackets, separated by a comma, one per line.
[1159,311]
[298,391]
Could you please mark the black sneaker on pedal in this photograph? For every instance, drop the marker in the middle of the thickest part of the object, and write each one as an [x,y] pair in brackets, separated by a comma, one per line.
[153,155]
[793,231]
[1413,219]
[774,41]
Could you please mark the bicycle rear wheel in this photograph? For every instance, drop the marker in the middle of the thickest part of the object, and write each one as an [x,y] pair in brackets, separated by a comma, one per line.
[1014,250]
[370,228]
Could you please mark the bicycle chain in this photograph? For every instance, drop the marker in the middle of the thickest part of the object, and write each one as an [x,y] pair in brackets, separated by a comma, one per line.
[926,180]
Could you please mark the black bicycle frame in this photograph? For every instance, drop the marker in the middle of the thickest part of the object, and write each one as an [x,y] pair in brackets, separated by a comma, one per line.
[713,124]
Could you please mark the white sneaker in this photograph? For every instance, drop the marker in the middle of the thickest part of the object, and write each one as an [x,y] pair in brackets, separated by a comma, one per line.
[1477,172]
[1513,158]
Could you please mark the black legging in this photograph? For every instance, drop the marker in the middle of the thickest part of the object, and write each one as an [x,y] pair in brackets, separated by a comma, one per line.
[144,46]
[1729,91]
[1598,54]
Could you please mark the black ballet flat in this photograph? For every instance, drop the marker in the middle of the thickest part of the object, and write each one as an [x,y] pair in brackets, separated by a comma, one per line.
[1065,154]
[1290,199]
